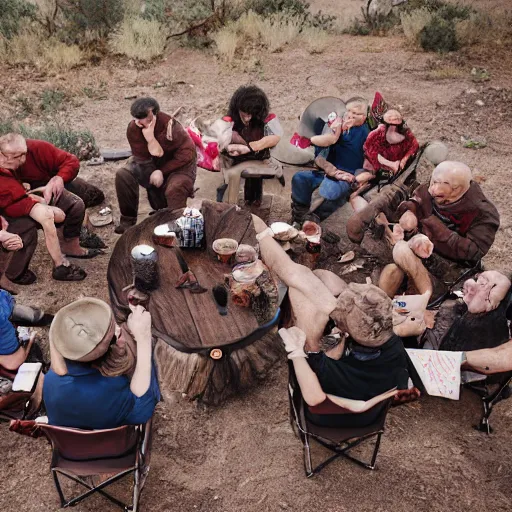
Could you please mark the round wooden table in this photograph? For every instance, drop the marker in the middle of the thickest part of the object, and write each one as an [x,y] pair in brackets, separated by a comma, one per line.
[198,351]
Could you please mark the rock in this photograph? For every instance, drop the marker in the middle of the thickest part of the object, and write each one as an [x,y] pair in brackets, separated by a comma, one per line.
[379,8]
[436,152]
[130,96]
[471,91]
[479,103]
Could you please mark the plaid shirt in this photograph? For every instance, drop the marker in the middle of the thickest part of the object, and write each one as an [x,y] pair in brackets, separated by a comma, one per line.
[192,228]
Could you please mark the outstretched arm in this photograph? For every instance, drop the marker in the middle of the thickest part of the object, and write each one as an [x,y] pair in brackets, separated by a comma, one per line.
[139,324]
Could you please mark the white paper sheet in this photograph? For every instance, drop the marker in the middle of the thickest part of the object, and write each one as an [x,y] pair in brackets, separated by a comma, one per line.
[26,376]
[439,371]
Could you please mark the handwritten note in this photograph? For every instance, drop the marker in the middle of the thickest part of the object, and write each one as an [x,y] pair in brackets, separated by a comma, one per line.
[439,371]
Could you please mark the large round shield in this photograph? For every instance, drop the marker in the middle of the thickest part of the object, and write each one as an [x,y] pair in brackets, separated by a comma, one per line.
[313,119]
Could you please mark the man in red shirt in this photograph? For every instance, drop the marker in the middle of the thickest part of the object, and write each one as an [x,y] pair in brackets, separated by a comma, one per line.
[163,162]
[19,209]
[46,165]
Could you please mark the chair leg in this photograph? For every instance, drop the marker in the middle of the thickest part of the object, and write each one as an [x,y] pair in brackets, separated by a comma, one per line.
[59,488]
[308,465]
[136,490]
[488,402]
[92,490]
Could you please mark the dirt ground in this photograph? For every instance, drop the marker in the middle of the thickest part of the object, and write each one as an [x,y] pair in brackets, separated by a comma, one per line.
[243,456]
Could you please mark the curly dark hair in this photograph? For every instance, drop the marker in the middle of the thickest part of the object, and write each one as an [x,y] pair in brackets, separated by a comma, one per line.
[250,99]
[140,107]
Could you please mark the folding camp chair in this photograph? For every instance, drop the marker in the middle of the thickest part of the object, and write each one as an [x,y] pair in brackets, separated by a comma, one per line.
[337,439]
[491,398]
[15,404]
[118,452]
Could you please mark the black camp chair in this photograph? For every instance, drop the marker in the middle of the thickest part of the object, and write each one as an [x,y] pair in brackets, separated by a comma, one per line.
[15,404]
[337,439]
[114,453]
[491,398]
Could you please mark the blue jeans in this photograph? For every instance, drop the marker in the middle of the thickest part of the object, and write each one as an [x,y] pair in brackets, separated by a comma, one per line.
[335,192]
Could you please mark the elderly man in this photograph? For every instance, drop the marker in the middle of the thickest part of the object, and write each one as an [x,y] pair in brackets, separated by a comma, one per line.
[338,155]
[44,165]
[102,375]
[458,222]
[163,162]
[26,212]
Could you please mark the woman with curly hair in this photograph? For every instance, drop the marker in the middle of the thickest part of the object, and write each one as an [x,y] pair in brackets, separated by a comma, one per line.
[255,131]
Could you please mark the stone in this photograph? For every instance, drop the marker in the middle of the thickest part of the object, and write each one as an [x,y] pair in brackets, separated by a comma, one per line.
[479,103]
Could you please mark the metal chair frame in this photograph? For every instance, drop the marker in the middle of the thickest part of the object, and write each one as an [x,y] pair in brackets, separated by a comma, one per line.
[340,448]
[140,470]
[489,400]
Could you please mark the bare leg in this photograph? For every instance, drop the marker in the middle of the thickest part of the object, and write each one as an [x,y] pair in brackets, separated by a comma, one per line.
[333,282]
[358,203]
[490,360]
[311,300]
[390,279]
[45,216]
[410,263]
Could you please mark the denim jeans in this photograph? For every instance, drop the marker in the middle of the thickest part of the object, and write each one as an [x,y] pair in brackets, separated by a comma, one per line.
[334,192]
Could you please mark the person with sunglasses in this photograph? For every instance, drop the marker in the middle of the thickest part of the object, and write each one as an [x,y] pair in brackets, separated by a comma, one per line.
[102,375]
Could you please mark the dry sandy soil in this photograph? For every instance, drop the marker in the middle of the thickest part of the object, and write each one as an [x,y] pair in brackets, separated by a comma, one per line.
[243,455]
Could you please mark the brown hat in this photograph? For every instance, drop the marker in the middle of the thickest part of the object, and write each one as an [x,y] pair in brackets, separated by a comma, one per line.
[364,311]
[80,327]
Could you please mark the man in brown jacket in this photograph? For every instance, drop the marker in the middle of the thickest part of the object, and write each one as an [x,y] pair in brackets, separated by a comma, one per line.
[163,162]
[455,216]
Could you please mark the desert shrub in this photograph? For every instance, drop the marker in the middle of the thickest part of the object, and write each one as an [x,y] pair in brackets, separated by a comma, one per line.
[298,9]
[31,46]
[96,15]
[59,56]
[140,39]
[51,100]
[80,143]
[413,22]
[226,41]
[315,39]
[278,31]
[439,36]
[12,12]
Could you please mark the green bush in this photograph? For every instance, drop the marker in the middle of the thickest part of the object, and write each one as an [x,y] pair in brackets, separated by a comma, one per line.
[292,8]
[439,36]
[12,12]
[80,143]
[94,16]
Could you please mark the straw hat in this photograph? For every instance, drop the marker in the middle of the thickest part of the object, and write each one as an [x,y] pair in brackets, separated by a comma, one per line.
[80,327]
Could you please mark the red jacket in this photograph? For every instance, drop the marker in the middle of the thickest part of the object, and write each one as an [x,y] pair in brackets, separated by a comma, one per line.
[44,161]
[376,144]
[14,201]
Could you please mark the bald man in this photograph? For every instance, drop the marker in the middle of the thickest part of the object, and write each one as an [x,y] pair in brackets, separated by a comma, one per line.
[453,214]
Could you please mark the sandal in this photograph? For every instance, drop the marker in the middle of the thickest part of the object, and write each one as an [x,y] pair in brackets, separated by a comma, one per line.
[90,240]
[69,273]
[28,277]
[91,253]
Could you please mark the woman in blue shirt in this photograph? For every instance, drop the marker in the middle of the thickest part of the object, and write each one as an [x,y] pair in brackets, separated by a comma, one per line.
[102,375]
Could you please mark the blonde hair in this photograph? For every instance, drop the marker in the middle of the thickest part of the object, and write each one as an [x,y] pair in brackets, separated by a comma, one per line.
[358,103]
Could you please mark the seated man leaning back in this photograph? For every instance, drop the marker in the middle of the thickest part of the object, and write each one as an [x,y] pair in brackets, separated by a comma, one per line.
[338,156]
[368,360]
[102,375]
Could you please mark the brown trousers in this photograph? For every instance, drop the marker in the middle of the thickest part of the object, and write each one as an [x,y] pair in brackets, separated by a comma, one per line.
[173,194]
[16,264]
[88,193]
